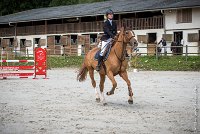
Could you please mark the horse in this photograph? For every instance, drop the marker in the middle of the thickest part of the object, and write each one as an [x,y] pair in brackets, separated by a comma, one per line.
[114,65]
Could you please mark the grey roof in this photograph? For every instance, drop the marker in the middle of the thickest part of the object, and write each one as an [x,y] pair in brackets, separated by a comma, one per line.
[99,8]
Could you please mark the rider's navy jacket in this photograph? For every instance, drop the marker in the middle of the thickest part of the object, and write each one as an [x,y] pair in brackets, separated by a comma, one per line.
[109,30]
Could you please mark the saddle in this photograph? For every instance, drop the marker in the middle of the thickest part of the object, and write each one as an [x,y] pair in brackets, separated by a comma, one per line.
[106,53]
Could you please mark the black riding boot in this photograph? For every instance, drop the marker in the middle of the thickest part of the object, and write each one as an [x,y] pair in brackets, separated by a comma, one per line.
[98,67]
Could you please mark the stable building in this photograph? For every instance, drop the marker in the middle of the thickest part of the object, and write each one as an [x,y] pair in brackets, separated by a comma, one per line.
[75,29]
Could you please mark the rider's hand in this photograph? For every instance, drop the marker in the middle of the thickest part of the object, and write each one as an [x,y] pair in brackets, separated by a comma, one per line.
[114,38]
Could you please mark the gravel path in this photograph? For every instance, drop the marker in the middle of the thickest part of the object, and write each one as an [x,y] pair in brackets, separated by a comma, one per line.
[164,103]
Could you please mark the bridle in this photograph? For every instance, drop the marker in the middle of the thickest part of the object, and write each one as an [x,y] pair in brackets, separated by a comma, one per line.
[122,58]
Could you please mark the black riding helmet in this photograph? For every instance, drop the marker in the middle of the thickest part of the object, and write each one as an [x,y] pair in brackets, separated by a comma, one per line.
[109,11]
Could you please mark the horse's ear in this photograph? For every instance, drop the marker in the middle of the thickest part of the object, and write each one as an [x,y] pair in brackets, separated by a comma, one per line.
[122,29]
[124,25]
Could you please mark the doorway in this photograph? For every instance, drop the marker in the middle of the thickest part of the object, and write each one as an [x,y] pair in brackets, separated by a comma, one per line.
[152,37]
[178,36]
[74,39]
[151,46]
[36,42]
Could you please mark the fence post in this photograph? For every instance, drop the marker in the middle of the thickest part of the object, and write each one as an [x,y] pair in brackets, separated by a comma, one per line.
[27,53]
[156,52]
[186,55]
[64,52]
[1,55]
[6,56]
[48,59]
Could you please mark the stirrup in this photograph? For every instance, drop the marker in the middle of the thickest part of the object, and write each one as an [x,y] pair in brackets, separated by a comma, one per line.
[98,67]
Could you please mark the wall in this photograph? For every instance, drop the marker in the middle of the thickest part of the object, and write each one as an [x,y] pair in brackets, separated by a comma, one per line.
[170,20]
[185,38]
[194,27]
[145,32]
[31,37]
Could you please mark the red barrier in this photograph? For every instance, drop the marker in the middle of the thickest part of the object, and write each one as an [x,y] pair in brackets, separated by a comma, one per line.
[40,62]
[17,67]
[40,66]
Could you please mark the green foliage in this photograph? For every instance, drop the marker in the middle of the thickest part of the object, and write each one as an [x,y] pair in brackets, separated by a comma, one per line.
[71,2]
[167,63]
[62,61]
[13,6]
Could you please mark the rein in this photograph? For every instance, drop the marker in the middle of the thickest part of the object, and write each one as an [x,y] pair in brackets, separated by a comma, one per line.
[122,58]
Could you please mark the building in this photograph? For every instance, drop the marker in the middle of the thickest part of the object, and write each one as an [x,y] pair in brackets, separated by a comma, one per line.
[75,29]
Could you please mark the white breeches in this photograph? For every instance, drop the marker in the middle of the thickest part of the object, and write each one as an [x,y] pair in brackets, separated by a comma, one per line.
[104,46]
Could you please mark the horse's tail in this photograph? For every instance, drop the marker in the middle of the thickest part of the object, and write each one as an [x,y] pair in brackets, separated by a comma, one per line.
[82,74]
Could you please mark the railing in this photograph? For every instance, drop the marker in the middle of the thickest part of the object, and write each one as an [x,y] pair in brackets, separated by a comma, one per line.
[174,50]
[133,23]
[144,23]
[74,50]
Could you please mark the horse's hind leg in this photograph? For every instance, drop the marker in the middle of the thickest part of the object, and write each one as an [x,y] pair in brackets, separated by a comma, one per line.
[91,73]
[124,76]
[101,86]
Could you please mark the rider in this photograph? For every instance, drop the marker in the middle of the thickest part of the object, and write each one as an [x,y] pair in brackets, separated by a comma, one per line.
[110,30]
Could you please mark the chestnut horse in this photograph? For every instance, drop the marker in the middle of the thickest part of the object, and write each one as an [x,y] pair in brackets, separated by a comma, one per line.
[114,65]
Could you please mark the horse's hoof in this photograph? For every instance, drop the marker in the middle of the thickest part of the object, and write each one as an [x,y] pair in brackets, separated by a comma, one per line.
[104,104]
[109,93]
[130,101]
[98,100]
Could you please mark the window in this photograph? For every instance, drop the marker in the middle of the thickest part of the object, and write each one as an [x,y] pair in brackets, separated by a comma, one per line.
[73,39]
[22,43]
[184,15]
[93,38]
[193,37]
[36,40]
[57,40]
[152,37]
[142,38]
[11,42]
[168,37]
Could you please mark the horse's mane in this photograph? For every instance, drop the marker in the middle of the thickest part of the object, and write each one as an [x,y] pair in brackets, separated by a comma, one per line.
[117,36]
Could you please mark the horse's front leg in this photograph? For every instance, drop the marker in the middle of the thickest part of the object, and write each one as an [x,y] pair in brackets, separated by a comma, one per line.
[114,83]
[124,76]
[101,86]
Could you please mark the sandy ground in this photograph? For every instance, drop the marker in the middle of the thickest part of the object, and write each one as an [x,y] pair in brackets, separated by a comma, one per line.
[164,103]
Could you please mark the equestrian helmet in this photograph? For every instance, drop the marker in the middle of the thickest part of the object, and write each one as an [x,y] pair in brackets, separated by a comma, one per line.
[109,11]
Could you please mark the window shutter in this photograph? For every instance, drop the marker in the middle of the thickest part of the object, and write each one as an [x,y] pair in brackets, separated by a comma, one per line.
[193,37]
[184,15]
[142,38]
[168,37]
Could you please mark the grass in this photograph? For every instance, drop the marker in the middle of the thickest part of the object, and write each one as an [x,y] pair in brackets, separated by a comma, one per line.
[62,61]
[167,63]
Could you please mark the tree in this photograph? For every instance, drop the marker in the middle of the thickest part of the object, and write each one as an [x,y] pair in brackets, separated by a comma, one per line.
[13,6]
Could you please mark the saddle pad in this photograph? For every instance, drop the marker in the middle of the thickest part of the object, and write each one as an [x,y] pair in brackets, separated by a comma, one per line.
[105,57]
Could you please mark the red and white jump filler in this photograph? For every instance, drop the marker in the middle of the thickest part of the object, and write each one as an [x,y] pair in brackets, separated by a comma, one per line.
[39,67]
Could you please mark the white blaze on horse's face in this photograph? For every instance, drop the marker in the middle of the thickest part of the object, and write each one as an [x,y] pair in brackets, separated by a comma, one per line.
[133,42]
[133,34]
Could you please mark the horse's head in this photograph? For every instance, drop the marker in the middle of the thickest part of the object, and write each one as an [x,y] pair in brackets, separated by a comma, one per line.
[128,36]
